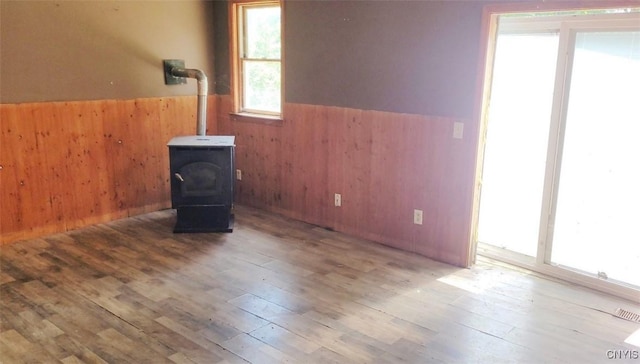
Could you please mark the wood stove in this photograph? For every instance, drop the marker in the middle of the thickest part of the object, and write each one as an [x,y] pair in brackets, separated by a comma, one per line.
[202,182]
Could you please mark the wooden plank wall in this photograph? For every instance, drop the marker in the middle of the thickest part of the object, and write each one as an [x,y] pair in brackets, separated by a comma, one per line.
[68,164]
[384,164]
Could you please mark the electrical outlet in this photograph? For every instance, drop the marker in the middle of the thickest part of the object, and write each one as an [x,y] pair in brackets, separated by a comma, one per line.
[238,175]
[458,130]
[337,199]
[417,217]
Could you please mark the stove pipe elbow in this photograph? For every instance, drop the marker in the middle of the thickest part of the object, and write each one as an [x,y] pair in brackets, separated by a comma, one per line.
[203,89]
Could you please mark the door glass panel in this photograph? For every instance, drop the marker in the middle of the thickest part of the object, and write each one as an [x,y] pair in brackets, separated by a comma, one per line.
[516,145]
[598,203]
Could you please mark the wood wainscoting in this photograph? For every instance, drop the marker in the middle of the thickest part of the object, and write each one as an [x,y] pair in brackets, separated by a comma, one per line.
[68,164]
[383,164]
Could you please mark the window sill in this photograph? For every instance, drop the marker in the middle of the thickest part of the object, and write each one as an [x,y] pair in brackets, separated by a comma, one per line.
[257,118]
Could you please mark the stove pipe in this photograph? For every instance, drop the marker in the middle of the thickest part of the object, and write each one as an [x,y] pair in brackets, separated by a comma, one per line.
[203,88]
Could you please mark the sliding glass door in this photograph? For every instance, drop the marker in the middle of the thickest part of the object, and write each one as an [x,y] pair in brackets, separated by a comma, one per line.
[560,187]
[517,138]
[598,201]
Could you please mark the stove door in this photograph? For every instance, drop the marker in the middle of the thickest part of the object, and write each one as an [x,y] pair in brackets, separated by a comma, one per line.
[199,179]
[201,176]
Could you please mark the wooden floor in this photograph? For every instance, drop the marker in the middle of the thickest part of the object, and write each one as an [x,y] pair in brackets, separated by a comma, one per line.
[277,290]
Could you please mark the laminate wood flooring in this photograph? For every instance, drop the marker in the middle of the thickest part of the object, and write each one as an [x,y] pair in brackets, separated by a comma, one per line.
[278,290]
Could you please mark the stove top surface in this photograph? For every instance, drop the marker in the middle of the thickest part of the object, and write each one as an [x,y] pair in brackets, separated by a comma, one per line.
[202,141]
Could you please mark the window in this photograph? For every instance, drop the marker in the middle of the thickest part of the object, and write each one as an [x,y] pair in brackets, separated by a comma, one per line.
[257,56]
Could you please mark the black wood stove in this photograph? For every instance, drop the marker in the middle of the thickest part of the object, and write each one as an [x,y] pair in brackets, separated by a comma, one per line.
[202,182]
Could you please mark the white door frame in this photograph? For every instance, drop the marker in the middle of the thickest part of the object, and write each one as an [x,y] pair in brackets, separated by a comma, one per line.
[568,26]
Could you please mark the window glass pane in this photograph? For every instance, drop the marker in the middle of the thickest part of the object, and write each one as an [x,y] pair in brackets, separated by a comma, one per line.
[516,147]
[597,214]
[262,86]
[262,33]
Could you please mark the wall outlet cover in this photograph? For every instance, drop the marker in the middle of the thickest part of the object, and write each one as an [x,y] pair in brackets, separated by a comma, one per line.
[417,217]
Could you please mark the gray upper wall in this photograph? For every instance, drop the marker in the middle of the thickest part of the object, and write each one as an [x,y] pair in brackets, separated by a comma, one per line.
[417,57]
[86,50]
[402,56]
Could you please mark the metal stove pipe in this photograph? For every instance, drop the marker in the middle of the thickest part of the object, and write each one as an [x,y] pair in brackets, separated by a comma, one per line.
[203,88]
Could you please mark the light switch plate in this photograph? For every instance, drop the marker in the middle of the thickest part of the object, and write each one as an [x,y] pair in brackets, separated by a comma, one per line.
[458,130]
